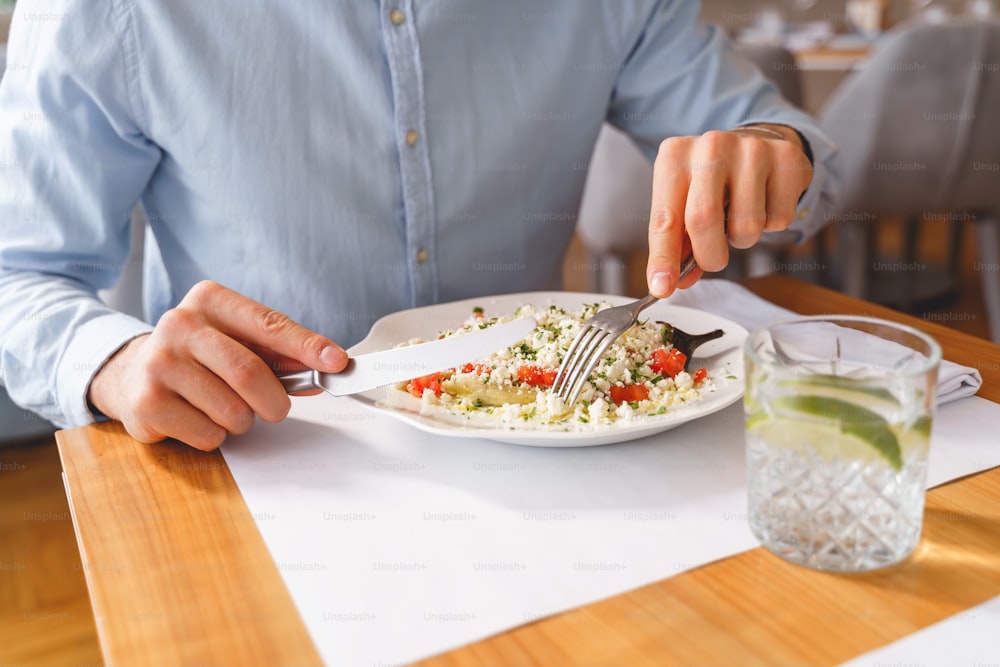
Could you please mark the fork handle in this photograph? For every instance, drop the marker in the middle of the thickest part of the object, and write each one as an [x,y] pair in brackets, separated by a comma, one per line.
[686,267]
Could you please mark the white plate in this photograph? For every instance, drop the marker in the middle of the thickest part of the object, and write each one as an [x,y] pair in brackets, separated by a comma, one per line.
[722,357]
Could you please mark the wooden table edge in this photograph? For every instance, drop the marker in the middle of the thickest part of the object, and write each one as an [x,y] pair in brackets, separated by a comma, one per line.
[225,601]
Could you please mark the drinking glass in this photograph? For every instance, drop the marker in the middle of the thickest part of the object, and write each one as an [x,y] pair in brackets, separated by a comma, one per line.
[838,421]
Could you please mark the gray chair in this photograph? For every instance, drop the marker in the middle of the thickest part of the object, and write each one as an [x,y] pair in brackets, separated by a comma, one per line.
[614,212]
[917,131]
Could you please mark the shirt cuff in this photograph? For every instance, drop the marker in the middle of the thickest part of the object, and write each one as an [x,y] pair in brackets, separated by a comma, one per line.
[93,343]
[808,212]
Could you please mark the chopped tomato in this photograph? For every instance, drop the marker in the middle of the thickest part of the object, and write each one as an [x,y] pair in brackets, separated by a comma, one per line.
[536,375]
[667,362]
[629,393]
[699,375]
[478,368]
[418,385]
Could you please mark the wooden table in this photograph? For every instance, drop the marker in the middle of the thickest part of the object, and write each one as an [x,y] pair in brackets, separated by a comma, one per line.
[178,573]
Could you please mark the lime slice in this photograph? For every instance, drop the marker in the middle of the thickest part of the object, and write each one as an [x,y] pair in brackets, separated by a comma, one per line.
[827,417]
[848,389]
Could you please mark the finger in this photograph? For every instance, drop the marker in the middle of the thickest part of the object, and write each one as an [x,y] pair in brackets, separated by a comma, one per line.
[278,363]
[175,418]
[695,273]
[666,217]
[244,383]
[788,180]
[748,192]
[780,206]
[247,320]
[704,216]
[211,395]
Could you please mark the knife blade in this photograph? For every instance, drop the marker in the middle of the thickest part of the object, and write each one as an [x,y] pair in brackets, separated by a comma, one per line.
[378,369]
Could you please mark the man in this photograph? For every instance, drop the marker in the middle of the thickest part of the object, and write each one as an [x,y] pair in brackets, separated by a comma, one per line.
[308,167]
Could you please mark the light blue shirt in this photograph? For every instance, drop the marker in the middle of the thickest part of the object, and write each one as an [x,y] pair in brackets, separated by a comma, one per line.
[336,161]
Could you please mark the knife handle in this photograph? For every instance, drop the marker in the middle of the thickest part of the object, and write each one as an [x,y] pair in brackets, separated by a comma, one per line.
[298,381]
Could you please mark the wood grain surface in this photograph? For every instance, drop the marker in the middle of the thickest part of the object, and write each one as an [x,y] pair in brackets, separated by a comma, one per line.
[177,571]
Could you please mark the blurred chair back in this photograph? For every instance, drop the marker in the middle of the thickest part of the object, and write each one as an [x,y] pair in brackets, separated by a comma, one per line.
[614,212]
[917,132]
[777,64]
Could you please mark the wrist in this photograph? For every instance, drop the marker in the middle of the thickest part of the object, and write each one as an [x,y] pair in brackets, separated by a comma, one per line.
[104,389]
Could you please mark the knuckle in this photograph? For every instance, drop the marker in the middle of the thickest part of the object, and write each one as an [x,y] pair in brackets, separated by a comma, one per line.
[176,322]
[664,221]
[237,417]
[779,221]
[156,363]
[244,373]
[758,152]
[312,344]
[701,217]
[744,220]
[715,262]
[202,292]
[670,148]
[276,411]
[210,439]
[271,323]
[714,141]
[141,432]
[140,401]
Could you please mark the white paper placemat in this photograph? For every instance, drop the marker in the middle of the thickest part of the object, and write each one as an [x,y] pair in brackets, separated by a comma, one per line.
[968,639]
[396,545]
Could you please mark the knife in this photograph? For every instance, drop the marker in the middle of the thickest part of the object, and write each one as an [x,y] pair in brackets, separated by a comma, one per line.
[378,369]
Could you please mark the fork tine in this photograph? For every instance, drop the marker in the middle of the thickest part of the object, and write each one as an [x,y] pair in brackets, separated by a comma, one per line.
[577,355]
[586,366]
[593,340]
[582,336]
[584,363]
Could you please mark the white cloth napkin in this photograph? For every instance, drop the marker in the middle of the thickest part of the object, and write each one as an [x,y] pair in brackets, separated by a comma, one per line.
[734,302]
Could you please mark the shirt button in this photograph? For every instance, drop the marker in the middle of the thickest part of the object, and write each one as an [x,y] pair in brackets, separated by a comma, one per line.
[397,17]
[412,137]
[422,256]
[804,213]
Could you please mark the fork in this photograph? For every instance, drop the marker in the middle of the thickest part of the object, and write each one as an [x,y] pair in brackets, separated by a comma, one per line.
[595,337]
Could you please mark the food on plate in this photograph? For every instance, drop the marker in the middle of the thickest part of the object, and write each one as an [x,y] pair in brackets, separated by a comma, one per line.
[642,375]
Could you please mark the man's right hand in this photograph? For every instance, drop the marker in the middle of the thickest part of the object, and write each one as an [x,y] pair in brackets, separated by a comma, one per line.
[208,368]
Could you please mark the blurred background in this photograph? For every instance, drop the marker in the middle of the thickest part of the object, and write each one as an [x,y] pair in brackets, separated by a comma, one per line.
[906,88]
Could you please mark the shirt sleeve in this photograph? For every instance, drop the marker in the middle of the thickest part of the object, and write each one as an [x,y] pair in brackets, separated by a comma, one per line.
[683,77]
[74,162]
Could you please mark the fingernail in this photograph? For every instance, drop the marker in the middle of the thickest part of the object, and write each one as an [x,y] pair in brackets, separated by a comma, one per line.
[661,285]
[333,358]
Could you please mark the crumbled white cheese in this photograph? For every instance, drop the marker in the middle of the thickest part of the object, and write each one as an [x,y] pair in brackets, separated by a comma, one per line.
[500,387]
